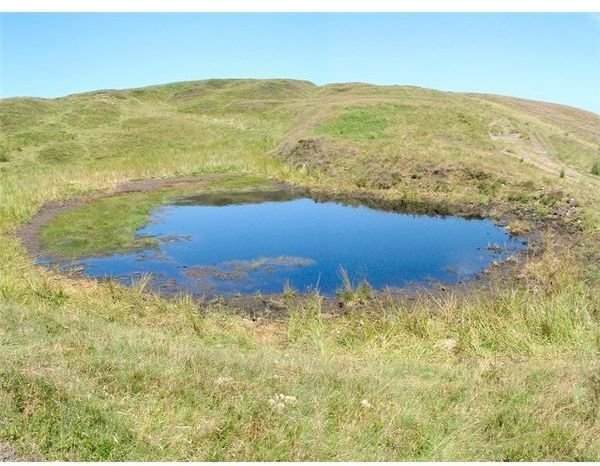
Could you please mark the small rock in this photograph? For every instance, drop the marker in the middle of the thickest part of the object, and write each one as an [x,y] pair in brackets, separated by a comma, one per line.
[449,344]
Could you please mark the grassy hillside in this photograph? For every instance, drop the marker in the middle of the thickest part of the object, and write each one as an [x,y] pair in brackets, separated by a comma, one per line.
[96,370]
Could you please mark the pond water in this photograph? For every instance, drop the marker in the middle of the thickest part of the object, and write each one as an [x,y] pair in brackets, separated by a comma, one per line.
[247,243]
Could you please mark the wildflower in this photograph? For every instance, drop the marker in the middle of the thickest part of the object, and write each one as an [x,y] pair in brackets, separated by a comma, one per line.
[365,404]
[223,380]
[280,401]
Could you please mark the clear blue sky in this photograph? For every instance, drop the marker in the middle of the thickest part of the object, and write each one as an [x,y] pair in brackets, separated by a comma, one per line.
[552,57]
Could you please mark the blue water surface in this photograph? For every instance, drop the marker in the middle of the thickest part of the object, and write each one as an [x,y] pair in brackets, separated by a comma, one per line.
[305,244]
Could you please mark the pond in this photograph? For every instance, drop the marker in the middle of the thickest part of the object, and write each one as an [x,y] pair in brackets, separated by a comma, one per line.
[263,242]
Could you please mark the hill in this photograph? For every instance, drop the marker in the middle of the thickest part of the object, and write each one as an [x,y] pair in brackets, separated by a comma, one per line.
[94,370]
[408,140]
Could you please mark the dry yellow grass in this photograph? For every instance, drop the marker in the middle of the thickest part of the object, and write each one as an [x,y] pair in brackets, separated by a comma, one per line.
[98,371]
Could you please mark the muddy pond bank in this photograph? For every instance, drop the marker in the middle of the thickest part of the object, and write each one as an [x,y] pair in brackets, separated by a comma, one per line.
[30,232]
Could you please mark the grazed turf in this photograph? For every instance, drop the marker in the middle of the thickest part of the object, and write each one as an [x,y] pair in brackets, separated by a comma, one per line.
[97,371]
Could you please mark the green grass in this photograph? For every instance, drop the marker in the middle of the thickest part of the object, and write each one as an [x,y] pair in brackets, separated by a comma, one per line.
[98,371]
[572,152]
[356,123]
[92,230]
[108,224]
[141,378]
[595,168]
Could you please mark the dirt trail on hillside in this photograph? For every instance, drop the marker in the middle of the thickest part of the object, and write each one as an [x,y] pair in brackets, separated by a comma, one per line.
[526,146]
[533,150]
[535,153]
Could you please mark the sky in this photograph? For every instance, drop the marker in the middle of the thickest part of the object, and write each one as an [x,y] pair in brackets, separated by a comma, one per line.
[553,57]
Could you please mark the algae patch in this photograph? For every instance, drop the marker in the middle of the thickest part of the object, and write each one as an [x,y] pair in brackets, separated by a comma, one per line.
[239,269]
